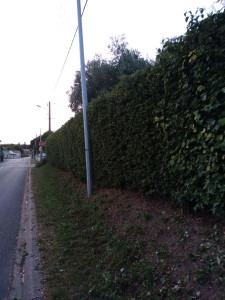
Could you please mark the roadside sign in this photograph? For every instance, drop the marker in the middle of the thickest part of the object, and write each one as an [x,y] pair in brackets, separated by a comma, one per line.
[40,148]
[41,144]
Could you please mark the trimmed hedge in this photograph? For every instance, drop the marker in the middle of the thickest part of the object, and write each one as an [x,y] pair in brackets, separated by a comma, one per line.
[65,148]
[161,130]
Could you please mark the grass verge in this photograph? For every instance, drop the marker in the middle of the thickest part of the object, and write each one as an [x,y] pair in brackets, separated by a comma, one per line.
[117,245]
[33,161]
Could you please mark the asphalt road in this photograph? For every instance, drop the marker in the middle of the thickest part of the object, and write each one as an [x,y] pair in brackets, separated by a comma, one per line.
[12,182]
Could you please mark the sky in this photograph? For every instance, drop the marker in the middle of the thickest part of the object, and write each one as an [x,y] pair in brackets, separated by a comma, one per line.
[35,36]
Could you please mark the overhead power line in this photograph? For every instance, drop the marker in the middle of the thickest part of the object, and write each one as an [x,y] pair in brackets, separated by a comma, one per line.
[57,82]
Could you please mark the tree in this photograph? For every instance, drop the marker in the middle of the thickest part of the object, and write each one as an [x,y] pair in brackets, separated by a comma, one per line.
[12,147]
[102,75]
[127,61]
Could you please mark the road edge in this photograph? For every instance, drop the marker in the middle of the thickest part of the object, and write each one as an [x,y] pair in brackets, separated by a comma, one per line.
[26,278]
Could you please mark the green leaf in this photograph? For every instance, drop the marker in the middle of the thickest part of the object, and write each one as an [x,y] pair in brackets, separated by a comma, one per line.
[204,97]
[200,88]
[222,121]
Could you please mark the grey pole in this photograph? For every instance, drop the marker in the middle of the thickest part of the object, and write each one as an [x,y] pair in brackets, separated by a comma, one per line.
[40,149]
[49,116]
[84,100]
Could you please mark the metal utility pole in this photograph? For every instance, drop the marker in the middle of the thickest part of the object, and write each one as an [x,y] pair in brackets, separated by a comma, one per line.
[84,100]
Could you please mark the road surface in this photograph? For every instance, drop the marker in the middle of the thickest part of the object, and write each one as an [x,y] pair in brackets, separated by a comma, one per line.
[12,183]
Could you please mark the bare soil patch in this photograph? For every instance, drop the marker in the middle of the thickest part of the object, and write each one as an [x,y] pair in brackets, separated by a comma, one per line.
[191,246]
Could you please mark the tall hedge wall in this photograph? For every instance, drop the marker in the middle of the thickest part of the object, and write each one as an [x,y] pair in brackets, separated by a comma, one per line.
[161,130]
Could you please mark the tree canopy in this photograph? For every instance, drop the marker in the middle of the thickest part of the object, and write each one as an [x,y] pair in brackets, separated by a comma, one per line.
[102,75]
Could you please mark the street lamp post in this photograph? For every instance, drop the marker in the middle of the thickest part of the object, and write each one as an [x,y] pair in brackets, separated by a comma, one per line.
[49,128]
[49,115]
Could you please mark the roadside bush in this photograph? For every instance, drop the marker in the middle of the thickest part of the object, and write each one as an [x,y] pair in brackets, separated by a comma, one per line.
[161,130]
[40,164]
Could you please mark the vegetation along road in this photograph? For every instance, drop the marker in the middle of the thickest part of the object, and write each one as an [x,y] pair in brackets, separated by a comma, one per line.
[118,244]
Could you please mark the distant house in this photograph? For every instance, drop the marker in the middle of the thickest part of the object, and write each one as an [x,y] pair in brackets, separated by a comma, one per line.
[16,154]
[6,153]
[26,152]
[11,154]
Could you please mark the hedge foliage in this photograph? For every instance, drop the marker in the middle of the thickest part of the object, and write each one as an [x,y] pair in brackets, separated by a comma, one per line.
[160,131]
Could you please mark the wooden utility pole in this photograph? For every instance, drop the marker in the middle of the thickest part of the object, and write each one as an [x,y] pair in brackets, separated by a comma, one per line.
[49,116]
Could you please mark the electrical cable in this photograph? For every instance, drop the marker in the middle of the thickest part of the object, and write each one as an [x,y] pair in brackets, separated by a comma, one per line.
[69,50]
